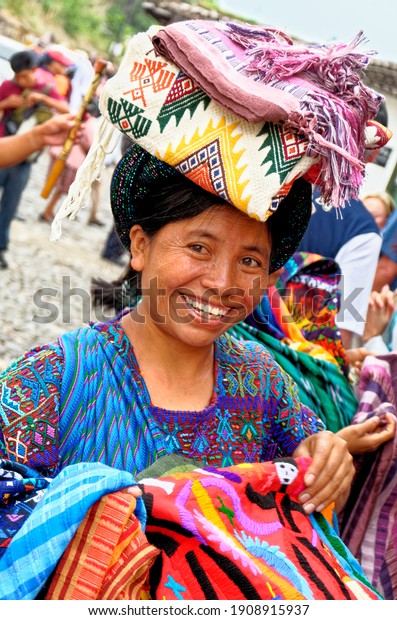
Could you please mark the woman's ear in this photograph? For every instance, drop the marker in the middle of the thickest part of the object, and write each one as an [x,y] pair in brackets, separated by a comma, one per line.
[139,241]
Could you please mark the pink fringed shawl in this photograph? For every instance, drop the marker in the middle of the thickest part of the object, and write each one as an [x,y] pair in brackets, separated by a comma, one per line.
[259,74]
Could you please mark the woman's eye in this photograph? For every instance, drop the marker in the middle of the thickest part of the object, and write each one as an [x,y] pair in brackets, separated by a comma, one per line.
[248,261]
[196,247]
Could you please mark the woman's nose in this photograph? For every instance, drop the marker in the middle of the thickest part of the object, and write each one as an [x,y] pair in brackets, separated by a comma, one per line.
[220,277]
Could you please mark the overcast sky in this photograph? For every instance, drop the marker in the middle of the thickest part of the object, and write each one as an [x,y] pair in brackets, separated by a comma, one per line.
[327,20]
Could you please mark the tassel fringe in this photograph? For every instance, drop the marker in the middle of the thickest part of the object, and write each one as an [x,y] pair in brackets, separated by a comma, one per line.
[104,143]
[332,118]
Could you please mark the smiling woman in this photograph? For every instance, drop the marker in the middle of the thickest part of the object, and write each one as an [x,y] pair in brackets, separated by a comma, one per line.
[224,206]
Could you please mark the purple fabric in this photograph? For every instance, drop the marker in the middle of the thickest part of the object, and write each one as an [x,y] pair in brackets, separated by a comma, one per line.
[368,522]
[261,75]
[217,64]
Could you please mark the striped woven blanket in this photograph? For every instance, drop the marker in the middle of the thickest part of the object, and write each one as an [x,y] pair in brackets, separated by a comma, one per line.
[368,524]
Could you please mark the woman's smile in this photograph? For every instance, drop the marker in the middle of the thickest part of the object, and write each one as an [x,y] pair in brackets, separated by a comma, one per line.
[204,310]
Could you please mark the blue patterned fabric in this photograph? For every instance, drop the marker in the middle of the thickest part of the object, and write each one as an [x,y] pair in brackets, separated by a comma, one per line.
[106,414]
[38,546]
[21,488]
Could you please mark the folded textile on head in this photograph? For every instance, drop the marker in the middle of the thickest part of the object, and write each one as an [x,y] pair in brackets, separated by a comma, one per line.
[244,127]
[260,74]
[250,165]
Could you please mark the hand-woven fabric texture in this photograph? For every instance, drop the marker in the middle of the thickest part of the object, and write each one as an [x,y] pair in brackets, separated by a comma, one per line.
[240,533]
[250,165]
[368,522]
[260,74]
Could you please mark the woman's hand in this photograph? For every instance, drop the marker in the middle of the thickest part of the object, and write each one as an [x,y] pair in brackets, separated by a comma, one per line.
[369,435]
[380,311]
[355,357]
[330,473]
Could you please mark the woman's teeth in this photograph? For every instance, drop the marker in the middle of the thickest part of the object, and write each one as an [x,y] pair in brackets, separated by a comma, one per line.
[205,309]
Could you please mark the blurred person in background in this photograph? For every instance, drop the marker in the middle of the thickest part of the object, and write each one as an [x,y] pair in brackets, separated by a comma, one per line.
[386,270]
[380,205]
[81,78]
[354,242]
[27,100]
[56,65]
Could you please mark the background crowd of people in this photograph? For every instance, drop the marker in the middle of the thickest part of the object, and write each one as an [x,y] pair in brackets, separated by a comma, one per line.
[46,82]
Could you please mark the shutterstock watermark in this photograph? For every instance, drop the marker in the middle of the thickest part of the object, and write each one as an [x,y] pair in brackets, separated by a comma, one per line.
[53,303]
[317,303]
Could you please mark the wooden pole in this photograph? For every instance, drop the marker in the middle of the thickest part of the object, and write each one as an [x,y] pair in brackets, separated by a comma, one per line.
[56,170]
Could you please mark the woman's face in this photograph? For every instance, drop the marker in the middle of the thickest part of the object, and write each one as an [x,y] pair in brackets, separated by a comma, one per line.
[202,275]
[377,209]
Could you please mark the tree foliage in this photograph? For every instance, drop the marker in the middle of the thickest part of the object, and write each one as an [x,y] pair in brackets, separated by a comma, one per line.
[98,23]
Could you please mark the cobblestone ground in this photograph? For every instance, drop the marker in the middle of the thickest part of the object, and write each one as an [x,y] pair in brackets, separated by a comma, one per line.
[38,296]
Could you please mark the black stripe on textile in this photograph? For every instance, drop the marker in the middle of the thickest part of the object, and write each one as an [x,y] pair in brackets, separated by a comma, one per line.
[266,502]
[288,506]
[311,574]
[233,573]
[163,542]
[164,524]
[360,490]
[155,576]
[201,576]
[326,565]
[147,500]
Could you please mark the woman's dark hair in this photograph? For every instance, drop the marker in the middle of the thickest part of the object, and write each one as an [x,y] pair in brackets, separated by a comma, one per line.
[170,201]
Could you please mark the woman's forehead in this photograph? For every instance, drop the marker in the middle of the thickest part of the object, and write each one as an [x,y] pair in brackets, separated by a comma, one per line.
[225,218]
